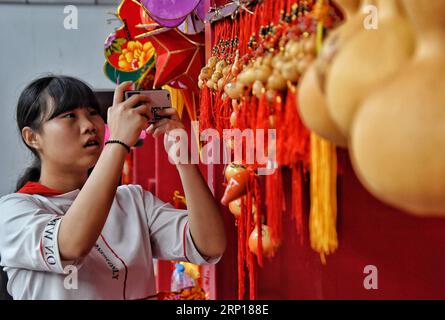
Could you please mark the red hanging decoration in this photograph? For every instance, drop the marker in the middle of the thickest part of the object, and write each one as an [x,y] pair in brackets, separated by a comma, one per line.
[297,199]
[241,249]
[262,115]
[300,141]
[275,203]
[259,216]
[223,117]
[217,104]
[206,119]
[179,59]
[251,267]
[249,228]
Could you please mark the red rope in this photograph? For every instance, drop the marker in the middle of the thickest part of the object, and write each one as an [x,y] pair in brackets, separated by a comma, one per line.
[259,215]
[302,152]
[262,116]
[275,203]
[297,200]
[205,109]
[217,112]
[249,229]
[241,250]
[251,267]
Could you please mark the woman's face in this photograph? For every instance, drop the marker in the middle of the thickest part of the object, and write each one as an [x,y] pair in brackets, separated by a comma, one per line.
[63,140]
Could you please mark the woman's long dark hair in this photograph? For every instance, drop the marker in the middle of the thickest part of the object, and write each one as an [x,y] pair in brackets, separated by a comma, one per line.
[42,100]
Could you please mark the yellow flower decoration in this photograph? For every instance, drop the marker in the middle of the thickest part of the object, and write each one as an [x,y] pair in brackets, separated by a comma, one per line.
[135,55]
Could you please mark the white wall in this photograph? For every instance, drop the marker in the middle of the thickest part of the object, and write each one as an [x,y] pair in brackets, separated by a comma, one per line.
[33,41]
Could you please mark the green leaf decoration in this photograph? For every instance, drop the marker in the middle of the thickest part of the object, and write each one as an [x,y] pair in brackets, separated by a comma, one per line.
[116,48]
[120,41]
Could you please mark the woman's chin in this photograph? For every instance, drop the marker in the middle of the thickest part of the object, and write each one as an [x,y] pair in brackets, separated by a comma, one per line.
[93,149]
[91,159]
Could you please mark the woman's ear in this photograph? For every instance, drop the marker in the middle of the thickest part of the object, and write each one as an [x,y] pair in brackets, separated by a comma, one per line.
[30,138]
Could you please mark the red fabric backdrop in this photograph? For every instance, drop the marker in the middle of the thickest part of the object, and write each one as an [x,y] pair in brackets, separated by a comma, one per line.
[407,251]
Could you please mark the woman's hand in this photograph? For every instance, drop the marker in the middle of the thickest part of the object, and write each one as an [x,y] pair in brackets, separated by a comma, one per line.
[125,120]
[170,126]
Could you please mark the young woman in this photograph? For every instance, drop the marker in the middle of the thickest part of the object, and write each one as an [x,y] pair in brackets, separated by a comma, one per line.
[70,232]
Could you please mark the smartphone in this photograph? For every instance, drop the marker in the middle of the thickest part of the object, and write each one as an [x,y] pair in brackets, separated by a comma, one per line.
[159,100]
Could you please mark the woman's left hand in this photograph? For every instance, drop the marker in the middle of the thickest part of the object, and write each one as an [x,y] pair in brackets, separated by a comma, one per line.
[171,127]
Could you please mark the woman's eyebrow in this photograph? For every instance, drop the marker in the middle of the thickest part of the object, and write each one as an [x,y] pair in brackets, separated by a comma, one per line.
[86,107]
[65,113]
[68,111]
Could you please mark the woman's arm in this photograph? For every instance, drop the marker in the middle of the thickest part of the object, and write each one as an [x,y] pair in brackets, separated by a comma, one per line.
[82,224]
[205,221]
[206,224]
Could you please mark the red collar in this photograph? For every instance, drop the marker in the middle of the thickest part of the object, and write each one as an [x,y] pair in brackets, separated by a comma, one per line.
[36,188]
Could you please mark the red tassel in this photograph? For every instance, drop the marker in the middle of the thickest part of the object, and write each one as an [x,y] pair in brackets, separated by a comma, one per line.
[240,265]
[217,112]
[251,267]
[297,200]
[259,215]
[253,112]
[250,112]
[241,122]
[298,136]
[262,116]
[241,250]
[290,122]
[248,213]
[205,109]
[226,111]
[275,203]
[281,134]
[222,112]
[249,229]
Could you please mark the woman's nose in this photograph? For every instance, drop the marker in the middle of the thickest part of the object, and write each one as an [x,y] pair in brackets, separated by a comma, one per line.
[87,124]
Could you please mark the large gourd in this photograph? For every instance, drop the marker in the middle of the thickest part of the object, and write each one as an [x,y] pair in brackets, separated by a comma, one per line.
[311,95]
[398,136]
[370,58]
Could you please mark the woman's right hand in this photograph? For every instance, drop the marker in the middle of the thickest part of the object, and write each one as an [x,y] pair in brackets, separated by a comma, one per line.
[125,120]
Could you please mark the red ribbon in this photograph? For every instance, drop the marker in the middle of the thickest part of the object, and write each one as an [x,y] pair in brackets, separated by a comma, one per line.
[32,187]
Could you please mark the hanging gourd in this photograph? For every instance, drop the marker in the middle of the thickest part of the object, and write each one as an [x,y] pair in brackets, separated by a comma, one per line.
[312,98]
[371,57]
[398,136]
